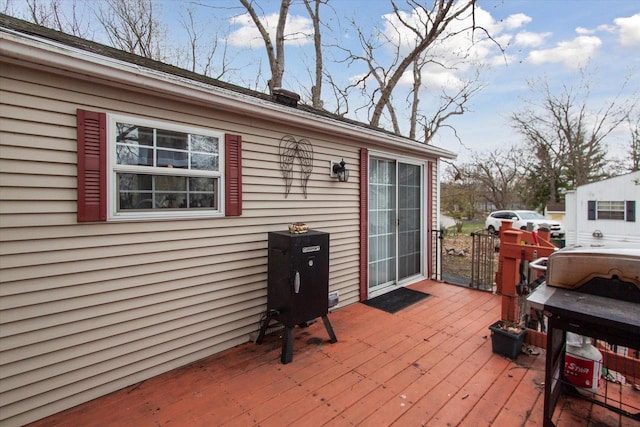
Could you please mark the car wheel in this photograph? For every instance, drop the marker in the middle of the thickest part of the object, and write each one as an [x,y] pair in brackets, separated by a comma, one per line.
[523,228]
[491,229]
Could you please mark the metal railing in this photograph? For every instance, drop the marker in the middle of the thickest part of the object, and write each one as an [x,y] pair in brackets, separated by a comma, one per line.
[483,260]
[436,247]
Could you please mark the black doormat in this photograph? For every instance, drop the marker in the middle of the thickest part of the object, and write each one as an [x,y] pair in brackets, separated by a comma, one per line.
[396,300]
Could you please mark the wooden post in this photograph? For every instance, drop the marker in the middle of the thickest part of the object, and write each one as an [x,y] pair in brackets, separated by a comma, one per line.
[517,246]
[510,276]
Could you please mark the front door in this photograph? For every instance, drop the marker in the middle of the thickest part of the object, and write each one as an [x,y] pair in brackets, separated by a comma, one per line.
[395,223]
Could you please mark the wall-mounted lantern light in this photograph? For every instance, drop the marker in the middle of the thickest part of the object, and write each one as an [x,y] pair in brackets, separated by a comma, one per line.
[339,170]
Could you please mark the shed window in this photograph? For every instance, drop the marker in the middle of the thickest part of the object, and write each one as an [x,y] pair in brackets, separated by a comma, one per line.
[610,210]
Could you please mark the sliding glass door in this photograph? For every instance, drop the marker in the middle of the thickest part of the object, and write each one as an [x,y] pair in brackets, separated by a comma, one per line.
[395,223]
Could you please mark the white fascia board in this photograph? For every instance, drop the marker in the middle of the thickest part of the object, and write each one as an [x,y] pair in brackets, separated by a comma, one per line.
[65,59]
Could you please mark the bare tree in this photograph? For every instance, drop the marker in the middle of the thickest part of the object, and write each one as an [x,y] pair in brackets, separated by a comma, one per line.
[132,26]
[206,51]
[427,31]
[566,137]
[51,14]
[379,73]
[428,28]
[461,196]
[500,174]
[275,52]
[449,105]
[314,14]
[634,149]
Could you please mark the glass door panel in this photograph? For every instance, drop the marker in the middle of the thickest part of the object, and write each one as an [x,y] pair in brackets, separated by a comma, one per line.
[409,223]
[382,220]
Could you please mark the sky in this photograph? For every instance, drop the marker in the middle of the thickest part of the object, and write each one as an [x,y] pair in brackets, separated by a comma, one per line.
[556,41]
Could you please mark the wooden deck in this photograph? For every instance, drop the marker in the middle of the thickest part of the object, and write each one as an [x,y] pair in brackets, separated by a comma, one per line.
[429,364]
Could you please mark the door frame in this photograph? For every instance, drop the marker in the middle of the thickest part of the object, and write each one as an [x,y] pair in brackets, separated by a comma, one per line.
[425,219]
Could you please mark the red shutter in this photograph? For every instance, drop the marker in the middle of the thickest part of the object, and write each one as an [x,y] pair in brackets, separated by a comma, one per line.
[364,223]
[233,175]
[92,166]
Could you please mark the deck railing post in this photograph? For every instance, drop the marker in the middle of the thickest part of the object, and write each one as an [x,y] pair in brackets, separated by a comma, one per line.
[510,276]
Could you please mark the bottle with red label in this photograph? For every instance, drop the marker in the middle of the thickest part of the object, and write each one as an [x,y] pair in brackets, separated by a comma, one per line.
[582,364]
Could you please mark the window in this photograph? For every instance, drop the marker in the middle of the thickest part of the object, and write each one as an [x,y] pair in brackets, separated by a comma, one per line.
[613,210]
[610,210]
[159,167]
[155,170]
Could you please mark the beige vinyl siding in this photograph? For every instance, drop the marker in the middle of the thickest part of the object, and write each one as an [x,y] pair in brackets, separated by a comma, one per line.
[90,308]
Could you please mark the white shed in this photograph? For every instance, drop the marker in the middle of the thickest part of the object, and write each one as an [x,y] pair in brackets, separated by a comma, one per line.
[604,212]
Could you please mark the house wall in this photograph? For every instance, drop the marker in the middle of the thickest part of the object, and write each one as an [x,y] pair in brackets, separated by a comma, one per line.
[106,305]
[89,308]
[580,229]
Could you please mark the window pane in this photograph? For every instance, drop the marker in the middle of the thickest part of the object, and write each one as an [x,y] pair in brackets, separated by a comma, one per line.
[133,134]
[171,183]
[173,159]
[171,192]
[134,182]
[134,145]
[129,201]
[201,184]
[205,162]
[204,144]
[177,157]
[204,153]
[135,191]
[128,155]
[202,201]
[170,139]
[170,200]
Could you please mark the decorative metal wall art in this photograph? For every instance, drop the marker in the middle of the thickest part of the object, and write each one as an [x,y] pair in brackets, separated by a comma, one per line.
[290,150]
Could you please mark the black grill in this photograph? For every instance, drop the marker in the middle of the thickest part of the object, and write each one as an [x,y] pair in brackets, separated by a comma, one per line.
[298,284]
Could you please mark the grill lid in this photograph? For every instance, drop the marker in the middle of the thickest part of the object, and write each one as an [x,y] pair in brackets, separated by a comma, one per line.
[610,272]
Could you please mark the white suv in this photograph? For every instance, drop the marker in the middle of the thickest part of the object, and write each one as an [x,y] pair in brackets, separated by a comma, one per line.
[520,220]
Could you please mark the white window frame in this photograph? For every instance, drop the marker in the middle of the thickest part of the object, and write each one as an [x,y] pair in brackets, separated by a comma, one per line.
[607,206]
[160,214]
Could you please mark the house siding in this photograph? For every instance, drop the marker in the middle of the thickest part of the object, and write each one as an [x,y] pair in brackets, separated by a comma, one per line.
[89,308]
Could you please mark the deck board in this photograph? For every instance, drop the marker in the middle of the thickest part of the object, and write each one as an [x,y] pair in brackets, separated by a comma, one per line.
[429,364]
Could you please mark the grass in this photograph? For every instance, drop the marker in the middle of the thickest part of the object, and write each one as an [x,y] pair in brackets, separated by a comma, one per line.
[468,227]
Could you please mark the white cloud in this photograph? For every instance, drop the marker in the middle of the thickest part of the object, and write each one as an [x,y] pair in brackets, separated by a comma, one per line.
[529,39]
[454,52]
[584,31]
[573,54]
[516,21]
[298,31]
[629,30]
[607,28]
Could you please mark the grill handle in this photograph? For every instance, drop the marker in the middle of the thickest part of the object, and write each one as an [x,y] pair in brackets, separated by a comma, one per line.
[538,264]
[296,283]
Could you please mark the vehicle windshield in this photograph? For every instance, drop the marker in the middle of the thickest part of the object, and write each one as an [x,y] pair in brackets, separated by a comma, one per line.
[531,215]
